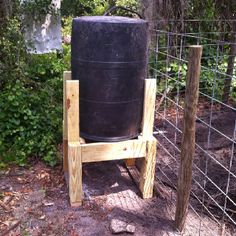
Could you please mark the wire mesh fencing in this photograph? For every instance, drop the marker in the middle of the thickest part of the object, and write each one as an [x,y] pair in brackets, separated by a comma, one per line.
[214,168]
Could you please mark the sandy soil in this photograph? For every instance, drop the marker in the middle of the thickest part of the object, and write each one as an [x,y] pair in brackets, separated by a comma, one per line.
[36,201]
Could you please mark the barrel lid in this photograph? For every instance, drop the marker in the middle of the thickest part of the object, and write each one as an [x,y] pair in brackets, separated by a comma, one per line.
[110,19]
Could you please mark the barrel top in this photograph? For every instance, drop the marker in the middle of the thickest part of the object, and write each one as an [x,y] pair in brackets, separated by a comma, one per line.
[109,19]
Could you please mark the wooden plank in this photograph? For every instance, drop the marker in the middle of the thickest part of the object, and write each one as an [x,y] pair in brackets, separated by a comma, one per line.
[75,174]
[66,76]
[147,172]
[148,113]
[94,152]
[149,108]
[74,149]
[188,138]
[72,104]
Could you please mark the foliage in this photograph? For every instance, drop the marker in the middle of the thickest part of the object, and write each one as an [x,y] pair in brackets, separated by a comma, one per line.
[31,111]
[30,122]
[30,98]
[31,85]
[12,49]
[38,8]
[95,7]
[80,7]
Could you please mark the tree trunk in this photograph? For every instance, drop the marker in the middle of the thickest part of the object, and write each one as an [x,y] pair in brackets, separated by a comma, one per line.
[5,9]
[147,11]
[230,68]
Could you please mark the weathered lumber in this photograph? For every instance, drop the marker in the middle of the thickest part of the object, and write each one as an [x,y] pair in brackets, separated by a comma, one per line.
[188,138]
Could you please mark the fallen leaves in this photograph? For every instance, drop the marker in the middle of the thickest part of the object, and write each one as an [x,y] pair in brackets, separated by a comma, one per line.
[12,225]
[4,206]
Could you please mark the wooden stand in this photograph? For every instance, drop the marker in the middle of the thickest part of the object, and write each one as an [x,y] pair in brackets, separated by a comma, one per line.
[75,152]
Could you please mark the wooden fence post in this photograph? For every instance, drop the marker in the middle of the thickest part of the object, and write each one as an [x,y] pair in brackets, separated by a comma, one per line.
[188,138]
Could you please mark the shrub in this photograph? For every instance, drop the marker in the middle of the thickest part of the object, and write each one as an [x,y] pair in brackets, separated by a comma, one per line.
[30,100]
[30,122]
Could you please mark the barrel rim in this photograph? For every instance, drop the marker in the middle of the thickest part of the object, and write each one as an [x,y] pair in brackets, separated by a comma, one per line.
[110,19]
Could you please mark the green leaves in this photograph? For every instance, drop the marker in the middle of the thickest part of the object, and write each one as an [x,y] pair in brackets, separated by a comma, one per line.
[30,120]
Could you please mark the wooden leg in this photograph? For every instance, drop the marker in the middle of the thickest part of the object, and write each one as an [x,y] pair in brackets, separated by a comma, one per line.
[75,174]
[148,169]
[130,162]
[66,76]
[74,148]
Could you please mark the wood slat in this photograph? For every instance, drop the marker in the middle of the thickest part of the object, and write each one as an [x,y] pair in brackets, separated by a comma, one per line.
[149,108]
[94,152]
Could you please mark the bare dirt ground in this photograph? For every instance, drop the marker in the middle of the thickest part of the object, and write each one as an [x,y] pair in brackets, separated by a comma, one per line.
[34,201]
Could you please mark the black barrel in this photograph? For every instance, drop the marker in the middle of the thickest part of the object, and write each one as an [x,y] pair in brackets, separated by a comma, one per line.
[109,58]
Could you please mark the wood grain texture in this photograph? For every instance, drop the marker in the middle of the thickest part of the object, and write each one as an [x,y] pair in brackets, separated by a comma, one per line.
[74,149]
[148,112]
[149,108]
[188,138]
[94,152]
[66,76]
[75,174]
[72,104]
[147,172]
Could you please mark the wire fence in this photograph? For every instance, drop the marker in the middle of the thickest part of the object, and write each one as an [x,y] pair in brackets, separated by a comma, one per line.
[214,168]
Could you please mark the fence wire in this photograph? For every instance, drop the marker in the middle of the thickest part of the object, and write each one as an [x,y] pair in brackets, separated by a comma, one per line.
[214,168]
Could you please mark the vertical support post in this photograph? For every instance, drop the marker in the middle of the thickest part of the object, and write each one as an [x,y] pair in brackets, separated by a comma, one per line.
[147,174]
[72,105]
[66,76]
[74,149]
[75,174]
[148,112]
[148,163]
[188,138]
[149,108]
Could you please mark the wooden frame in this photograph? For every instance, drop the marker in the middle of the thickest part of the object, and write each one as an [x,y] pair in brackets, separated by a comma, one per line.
[76,153]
